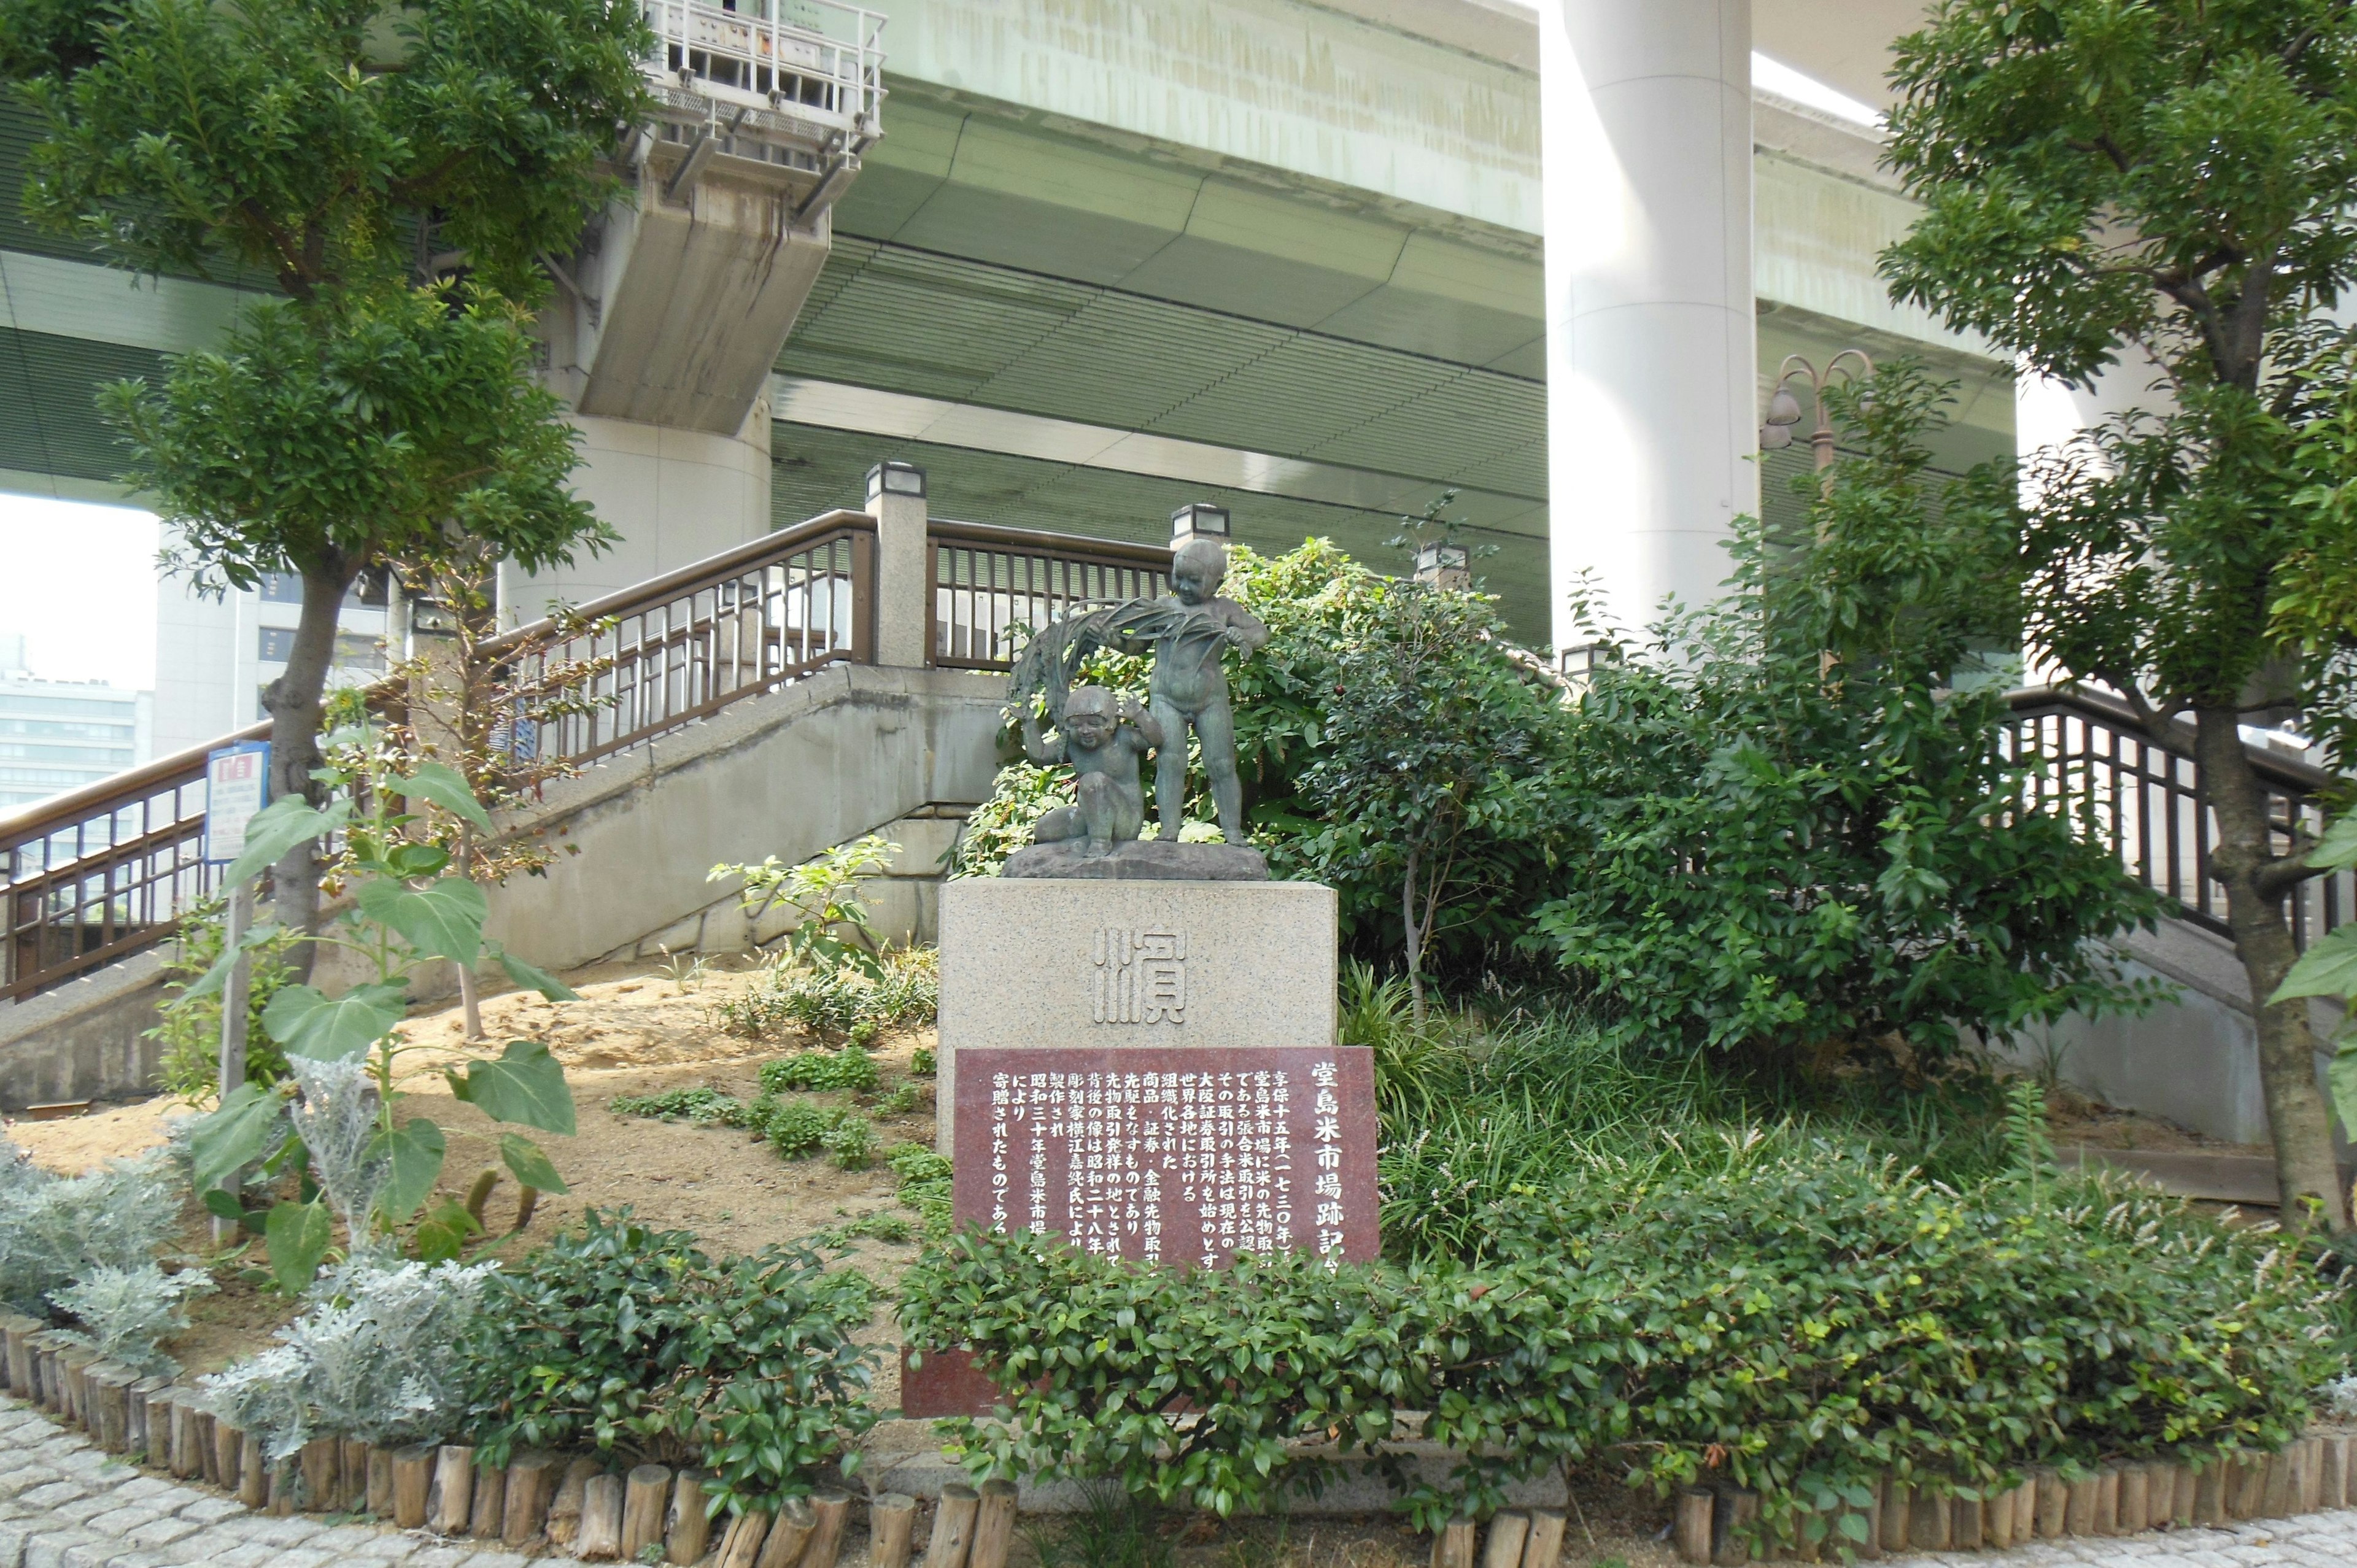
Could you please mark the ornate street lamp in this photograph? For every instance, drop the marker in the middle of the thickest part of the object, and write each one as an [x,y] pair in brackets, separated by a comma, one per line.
[1199,519]
[1784,408]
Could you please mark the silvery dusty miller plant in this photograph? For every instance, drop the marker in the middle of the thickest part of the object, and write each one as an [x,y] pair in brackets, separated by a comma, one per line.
[372,1359]
[126,1311]
[58,1231]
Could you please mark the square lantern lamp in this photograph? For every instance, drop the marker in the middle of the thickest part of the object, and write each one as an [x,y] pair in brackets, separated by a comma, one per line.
[891,478]
[1199,519]
[1440,564]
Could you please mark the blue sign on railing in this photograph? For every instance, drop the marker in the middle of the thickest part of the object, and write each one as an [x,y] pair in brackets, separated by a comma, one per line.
[237,785]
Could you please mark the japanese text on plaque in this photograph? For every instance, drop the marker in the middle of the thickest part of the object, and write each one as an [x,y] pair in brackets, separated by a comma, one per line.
[1196,1165]
[1137,977]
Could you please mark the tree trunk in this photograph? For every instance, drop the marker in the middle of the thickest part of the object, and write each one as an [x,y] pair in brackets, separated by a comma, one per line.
[2302,1128]
[293,702]
[1413,941]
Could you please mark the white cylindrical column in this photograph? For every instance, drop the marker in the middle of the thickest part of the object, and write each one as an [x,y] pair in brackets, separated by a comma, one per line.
[1651,341]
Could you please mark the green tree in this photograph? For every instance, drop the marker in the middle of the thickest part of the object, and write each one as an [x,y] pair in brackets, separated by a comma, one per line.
[401,169]
[2163,187]
[1429,778]
[1790,835]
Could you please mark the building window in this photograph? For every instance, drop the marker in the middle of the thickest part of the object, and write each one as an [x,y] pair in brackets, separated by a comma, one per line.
[357,651]
[277,644]
[282,588]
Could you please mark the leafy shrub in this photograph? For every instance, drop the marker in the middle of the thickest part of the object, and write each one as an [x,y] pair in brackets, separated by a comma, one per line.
[125,1311]
[701,1105]
[925,1185]
[1021,794]
[1790,833]
[56,1231]
[189,1033]
[375,1356]
[900,1101]
[634,1342]
[851,1067]
[845,1003]
[877,1227]
[1799,1323]
[796,1128]
[923,1062]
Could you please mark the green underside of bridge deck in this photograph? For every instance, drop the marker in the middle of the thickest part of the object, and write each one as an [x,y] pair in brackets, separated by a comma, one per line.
[49,422]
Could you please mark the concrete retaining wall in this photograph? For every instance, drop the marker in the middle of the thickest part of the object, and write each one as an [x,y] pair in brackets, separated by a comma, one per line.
[853,750]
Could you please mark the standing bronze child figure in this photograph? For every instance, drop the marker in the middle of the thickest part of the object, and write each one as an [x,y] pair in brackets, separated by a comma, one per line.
[1190,688]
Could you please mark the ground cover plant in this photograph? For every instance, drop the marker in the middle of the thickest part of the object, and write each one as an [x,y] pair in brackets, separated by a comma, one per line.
[635,1343]
[1798,1320]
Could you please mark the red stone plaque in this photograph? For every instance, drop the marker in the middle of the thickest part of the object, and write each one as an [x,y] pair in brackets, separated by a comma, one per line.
[1172,1154]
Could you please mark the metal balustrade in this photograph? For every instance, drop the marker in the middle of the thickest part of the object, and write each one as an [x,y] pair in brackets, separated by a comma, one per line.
[813,59]
[2092,756]
[107,871]
[992,585]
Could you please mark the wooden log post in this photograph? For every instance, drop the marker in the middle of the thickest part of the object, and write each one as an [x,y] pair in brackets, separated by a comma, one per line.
[2181,1492]
[1996,1519]
[646,1496]
[1929,1519]
[108,1389]
[322,1474]
[994,1526]
[187,1459]
[1452,1545]
[532,1485]
[1544,1548]
[602,1521]
[378,1482]
[789,1542]
[1730,1522]
[252,1471]
[2107,1501]
[687,1526]
[285,1481]
[953,1537]
[217,1442]
[830,1517]
[450,1504]
[488,1518]
[53,1376]
[151,1422]
[73,1367]
[565,1511]
[1898,1514]
[2079,1511]
[1508,1532]
[14,1335]
[1690,1526]
[741,1546]
[2312,1473]
[891,1526]
[2136,1500]
[2335,1471]
[412,1485]
[351,1475]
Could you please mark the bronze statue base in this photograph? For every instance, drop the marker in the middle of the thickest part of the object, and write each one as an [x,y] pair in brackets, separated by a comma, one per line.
[1141,859]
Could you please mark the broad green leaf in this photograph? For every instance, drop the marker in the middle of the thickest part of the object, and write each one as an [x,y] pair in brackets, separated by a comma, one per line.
[295,1235]
[531,1165]
[2341,1077]
[309,1025]
[279,827]
[525,1086]
[443,1234]
[2327,968]
[532,979]
[2336,850]
[441,784]
[415,1149]
[213,979]
[443,919]
[235,1135]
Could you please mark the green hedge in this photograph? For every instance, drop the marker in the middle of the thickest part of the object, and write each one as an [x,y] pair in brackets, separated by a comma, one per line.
[1800,1323]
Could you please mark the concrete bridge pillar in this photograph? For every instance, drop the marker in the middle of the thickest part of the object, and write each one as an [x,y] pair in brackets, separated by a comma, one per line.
[1651,343]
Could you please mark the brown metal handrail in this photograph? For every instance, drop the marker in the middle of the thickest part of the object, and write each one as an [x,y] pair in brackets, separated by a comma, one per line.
[2093,755]
[992,584]
[103,872]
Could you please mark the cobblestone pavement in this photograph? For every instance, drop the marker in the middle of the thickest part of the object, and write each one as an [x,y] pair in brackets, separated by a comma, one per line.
[2311,1540]
[64,1504]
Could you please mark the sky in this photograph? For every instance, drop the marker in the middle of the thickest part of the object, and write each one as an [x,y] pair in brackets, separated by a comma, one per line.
[79,581]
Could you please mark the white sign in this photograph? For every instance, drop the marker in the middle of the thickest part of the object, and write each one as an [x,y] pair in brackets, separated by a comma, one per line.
[237,784]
